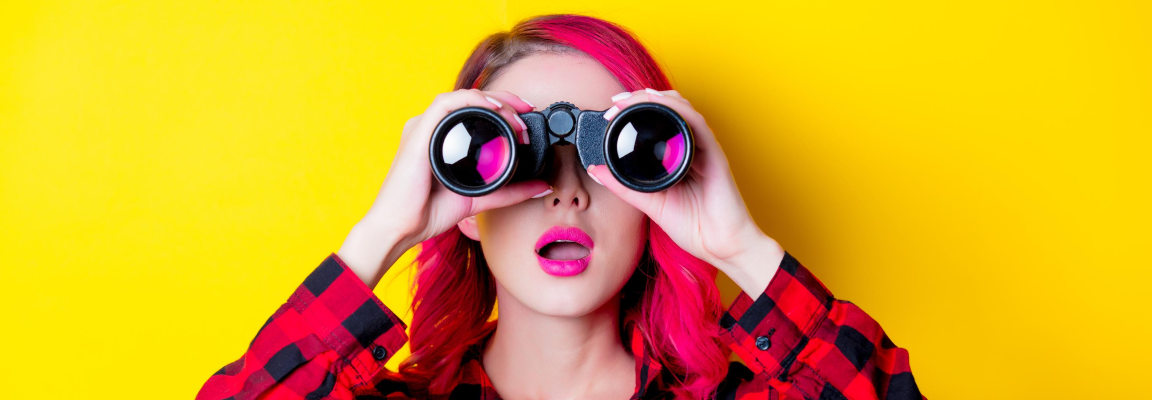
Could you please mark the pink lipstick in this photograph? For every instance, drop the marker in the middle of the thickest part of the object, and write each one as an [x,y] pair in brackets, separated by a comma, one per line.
[564,251]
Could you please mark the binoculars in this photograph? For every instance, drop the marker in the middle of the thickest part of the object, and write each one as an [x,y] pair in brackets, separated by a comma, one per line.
[647,146]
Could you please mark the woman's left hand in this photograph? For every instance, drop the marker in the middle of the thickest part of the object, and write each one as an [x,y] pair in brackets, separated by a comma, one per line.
[704,212]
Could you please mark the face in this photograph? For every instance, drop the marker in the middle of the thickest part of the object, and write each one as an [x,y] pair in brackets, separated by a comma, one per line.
[509,235]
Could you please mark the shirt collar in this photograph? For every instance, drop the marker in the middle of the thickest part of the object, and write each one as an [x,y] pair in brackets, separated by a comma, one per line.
[648,367]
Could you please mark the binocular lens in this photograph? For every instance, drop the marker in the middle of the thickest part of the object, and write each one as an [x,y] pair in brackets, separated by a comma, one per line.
[475,152]
[648,148]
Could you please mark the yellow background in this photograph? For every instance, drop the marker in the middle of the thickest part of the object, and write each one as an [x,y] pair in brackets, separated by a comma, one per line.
[971,174]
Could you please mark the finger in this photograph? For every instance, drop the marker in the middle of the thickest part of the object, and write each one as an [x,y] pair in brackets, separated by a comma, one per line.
[706,143]
[648,203]
[508,111]
[672,100]
[445,103]
[418,133]
[669,93]
[654,92]
[516,102]
[406,165]
[406,131]
[510,194]
[441,106]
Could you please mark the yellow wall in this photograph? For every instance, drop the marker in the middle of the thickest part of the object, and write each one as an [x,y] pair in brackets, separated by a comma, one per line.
[968,173]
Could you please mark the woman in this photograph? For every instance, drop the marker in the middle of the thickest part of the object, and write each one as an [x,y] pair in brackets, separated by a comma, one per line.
[641,319]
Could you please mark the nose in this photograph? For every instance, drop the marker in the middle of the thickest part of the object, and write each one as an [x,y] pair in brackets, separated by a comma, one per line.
[568,179]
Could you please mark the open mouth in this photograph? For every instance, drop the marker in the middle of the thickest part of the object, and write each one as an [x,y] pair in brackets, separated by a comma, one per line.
[563,250]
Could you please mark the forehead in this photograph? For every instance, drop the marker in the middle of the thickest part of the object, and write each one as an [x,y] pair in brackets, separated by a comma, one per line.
[545,78]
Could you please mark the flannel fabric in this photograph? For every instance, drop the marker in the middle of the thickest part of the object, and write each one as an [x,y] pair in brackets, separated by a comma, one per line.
[333,336]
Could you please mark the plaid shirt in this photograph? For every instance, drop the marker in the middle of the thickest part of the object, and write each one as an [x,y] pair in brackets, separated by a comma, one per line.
[332,337]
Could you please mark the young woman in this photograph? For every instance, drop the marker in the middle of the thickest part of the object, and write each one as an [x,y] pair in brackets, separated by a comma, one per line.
[641,318]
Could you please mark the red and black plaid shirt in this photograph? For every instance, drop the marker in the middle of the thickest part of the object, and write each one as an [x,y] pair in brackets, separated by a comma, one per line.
[332,337]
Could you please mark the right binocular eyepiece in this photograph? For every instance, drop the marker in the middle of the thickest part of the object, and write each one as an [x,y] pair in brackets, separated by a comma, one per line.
[647,146]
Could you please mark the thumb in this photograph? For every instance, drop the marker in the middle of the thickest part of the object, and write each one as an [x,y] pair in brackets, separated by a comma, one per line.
[642,201]
[510,194]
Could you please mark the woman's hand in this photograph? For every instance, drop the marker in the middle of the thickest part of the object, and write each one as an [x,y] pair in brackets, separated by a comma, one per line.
[703,213]
[412,206]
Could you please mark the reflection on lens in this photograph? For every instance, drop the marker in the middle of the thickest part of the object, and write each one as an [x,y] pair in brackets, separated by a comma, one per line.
[649,146]
[475,152]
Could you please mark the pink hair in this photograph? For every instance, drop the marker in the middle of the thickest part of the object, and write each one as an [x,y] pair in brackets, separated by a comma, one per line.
[672,297]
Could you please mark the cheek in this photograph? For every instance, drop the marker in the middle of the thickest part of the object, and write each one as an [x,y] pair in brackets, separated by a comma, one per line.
[626,228]
[502,229]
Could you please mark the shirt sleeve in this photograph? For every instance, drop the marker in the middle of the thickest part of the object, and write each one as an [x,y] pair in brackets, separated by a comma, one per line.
[798,341]
[330,340]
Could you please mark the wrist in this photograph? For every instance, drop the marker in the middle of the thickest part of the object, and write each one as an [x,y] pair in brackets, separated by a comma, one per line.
[370,249]
[753,267]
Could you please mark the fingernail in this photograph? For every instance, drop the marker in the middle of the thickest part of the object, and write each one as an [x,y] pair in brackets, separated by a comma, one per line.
[526,102]
[621,96]
[542,194]
[654,92]
[611,112]
[593,176]
[497,103]
[524,136]
[523,127]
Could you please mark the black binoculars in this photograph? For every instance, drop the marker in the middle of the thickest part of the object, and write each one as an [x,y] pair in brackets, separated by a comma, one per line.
[647,146]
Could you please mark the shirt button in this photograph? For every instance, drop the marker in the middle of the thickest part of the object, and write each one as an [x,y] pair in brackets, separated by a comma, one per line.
[379,353]
[763,343]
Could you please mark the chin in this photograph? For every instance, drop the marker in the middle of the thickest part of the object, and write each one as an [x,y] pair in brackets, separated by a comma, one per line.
[563,299]
[561,296]
[562,310]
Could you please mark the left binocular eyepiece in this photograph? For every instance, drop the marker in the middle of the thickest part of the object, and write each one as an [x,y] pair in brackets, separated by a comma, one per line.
[647,146]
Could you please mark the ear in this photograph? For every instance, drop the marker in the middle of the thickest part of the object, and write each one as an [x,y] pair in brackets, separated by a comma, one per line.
[468,227]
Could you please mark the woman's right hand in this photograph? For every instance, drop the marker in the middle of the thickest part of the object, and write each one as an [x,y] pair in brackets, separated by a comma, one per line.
[412,205]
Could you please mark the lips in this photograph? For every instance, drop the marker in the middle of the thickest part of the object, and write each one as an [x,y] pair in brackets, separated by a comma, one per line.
[564,251]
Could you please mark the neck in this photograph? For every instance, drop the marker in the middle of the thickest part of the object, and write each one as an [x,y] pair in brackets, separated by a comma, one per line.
[536,356]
